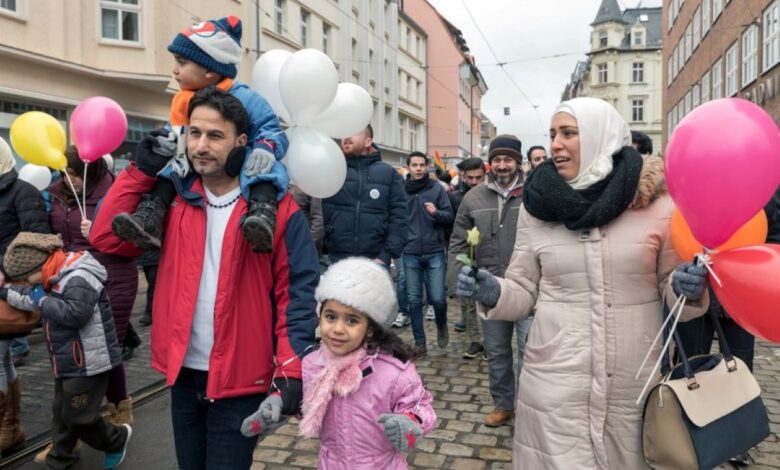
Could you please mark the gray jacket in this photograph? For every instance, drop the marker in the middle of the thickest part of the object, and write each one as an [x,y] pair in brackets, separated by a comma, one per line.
[496,218]
[76,316]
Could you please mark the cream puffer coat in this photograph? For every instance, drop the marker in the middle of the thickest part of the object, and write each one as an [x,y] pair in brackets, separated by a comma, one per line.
[596,297]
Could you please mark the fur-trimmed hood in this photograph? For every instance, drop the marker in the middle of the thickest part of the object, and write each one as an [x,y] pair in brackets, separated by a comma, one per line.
[652,183]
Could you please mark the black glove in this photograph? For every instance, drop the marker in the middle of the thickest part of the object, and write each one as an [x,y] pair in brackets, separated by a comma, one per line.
[4,293]
[292,395]
[155,150]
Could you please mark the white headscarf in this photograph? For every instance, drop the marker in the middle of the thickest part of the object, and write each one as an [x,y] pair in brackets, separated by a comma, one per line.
[7,161]
[602,133]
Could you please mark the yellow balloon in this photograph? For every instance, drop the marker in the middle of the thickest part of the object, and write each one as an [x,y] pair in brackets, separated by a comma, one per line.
[39,139]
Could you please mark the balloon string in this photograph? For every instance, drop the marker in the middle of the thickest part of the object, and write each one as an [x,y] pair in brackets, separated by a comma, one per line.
[680,305]
[75,193]
[657,337]
[706,261]
[84,190]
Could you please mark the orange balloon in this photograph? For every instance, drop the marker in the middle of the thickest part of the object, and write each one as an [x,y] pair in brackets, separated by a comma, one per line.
[752,233]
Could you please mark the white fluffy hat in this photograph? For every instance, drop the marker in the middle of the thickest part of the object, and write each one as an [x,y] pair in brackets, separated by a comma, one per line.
[361,284]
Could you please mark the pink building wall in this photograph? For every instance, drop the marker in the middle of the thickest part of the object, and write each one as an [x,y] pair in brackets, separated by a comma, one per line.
[446,109]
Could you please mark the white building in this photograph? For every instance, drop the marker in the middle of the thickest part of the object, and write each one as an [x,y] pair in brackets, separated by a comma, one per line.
[625,66]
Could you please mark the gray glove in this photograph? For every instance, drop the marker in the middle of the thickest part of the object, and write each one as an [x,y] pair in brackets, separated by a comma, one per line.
[689,280]
[484,288]
[259,162]
[401,430]
[265,417]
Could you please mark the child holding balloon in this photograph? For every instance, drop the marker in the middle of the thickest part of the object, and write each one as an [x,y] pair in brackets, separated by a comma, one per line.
[205,55]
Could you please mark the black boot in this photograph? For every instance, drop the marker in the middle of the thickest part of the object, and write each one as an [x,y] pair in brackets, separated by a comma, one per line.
[143,228]
[259,224]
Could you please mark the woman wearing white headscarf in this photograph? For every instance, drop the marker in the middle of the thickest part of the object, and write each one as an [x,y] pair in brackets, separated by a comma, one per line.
[592,262]
[21,210]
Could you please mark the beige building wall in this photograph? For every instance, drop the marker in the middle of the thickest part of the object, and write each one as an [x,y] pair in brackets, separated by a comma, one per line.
[55,53]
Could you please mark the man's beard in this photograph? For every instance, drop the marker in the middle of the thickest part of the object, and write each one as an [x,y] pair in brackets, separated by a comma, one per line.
[505,179]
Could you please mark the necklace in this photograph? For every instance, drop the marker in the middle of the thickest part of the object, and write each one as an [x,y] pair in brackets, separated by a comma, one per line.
[222,206]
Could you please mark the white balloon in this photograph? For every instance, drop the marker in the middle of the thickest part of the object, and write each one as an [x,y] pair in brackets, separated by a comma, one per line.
[307,83]
[349,113]
[38,176]
[315,163]
[265,79]
[109,161]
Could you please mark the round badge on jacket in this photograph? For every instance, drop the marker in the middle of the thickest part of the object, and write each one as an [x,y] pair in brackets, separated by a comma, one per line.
[374,193]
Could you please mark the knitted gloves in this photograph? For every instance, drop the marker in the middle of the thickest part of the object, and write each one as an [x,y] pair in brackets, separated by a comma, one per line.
[689,280]
[401,429]
[259,162]
[482,287]
[261,420]
[154,151]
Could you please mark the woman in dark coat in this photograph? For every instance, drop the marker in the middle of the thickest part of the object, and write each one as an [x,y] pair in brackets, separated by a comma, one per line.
[122,271]
[21,210]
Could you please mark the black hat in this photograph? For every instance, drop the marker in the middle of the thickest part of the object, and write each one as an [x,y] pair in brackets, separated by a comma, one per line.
[506,144]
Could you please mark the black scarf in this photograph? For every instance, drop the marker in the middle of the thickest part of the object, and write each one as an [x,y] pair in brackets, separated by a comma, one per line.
[415,186]
[549,197]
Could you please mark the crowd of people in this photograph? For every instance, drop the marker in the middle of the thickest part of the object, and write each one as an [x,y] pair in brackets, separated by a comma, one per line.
[266,303]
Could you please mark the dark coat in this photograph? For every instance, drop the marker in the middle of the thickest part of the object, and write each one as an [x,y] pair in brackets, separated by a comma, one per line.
[21,210]
[367,217]
[427,232]
[122,283]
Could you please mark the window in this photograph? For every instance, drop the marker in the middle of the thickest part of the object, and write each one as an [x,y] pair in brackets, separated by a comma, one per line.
[354,50]
[669,71]
[10,5]
[637,110]
[688,42]
[417,49]
[401,130]
[669,125]
[706,20]
[603,39]
[326,38]
[670,17]
[305,17]
[696,28]
[732,64]
[638,38]
[638,72]
[717,8]
[696,99]
[749,54]
[279,16]
[408,39]
[772,35]
[401,84]
[119,19]
[413,126]
[705,87]
[688,103]
[717,79]
[602,73]
[411,88]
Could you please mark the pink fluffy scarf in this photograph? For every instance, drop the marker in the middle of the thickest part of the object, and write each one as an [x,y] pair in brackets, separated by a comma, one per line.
[340,376]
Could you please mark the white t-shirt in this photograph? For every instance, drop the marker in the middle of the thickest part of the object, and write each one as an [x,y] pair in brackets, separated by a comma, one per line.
[202,334]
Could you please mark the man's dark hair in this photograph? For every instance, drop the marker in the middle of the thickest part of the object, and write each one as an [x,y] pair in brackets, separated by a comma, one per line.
[644,144]
[534,147]
[227,105]
[472,163]
[370,131]
[416,154]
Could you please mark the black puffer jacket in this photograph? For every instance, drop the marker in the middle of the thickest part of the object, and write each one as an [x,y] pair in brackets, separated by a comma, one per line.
[21,210]
[367,217]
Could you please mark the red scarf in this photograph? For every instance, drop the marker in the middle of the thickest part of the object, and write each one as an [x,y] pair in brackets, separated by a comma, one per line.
[181,103]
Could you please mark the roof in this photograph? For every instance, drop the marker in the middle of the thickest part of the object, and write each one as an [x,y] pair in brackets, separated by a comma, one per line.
[608,11]
[650,19]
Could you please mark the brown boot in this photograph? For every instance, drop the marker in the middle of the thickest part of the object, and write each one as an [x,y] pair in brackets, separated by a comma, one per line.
[11,434]
[498,417]
[124,412]
[40,457]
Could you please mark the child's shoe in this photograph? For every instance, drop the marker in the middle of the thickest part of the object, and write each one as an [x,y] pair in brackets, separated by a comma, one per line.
[143,228]
[113,459]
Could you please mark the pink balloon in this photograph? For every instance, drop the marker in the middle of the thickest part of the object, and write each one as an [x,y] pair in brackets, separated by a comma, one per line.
[99,126]
[722,167]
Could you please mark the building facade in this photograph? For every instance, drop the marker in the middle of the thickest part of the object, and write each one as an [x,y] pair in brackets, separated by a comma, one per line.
[720,48]
[455,86]
[624,66]
[69,50]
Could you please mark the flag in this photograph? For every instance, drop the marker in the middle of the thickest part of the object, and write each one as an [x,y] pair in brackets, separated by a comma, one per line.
[437,161]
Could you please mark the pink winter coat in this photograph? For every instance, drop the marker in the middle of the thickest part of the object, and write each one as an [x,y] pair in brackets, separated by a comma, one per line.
[351,437]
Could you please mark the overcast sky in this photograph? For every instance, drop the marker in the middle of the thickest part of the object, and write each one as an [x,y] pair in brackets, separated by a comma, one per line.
[519,30]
